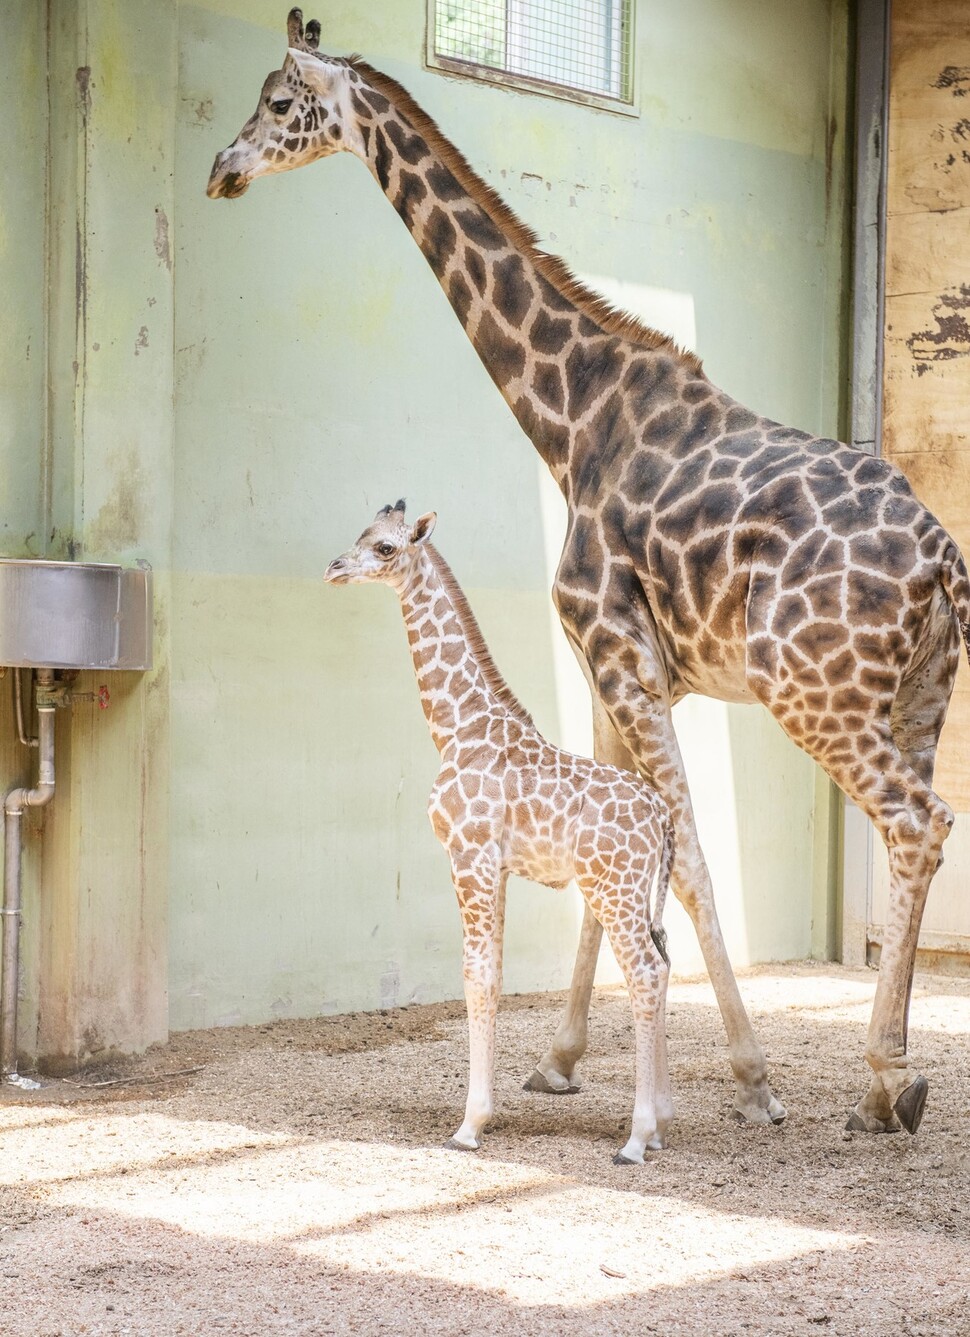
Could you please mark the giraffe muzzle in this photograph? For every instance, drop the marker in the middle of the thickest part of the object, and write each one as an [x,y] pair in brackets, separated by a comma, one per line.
[224,184]
[337,573]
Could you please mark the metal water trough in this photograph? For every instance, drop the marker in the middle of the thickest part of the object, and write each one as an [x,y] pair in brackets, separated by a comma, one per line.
[75,615]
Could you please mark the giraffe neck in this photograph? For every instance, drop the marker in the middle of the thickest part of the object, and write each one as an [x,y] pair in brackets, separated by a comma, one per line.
[457,678]
[557,352]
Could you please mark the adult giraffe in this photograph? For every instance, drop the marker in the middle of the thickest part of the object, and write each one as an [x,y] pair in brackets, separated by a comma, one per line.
[708,549]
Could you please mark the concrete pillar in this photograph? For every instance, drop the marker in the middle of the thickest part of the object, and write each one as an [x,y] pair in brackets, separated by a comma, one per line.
[97,957]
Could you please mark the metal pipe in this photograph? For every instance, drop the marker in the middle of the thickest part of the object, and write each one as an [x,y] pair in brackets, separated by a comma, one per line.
[13,811]
[18,700]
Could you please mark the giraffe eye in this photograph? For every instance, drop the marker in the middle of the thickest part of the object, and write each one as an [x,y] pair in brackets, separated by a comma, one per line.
[281,106]
[385,549]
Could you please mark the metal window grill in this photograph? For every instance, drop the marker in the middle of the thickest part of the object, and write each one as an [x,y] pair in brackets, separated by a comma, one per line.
[575,44]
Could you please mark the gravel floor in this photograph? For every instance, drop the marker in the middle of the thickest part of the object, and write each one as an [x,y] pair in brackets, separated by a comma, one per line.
[296,1183]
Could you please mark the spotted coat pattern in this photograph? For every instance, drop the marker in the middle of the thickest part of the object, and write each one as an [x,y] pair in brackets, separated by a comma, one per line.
[709,549]
[507,801]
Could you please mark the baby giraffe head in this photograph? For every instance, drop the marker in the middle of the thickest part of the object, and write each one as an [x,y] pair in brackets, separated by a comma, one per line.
[388,550]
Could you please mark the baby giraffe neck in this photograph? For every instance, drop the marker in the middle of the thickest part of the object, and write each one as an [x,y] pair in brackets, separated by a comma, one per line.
[459,684]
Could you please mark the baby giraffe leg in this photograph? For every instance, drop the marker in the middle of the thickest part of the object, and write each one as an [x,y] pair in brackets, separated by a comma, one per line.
[625,914]
[482,901]
[647,982]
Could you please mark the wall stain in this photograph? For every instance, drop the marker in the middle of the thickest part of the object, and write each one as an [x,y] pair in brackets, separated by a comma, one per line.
[142,340]
[82,79]
[950,339]
[118,523]
[162,246]
[954,77]
[831,131]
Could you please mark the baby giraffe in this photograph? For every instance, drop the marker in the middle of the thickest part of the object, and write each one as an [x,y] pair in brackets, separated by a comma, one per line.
[506,801]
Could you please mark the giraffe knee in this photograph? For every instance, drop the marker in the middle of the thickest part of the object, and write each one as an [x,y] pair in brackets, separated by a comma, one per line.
[915,836]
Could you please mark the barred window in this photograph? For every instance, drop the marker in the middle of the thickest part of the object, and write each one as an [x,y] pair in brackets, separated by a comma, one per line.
[570,48]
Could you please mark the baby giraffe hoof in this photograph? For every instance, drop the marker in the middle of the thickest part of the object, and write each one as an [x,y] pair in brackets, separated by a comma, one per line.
[910,1105]
[559,1086]
[620,1159]
[454,1145]
[774,1114]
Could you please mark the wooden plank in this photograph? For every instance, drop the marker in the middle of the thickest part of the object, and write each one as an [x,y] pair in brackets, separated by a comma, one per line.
[941,480]
[929,106]
[926,384]
[926,375]
[952,778]
[926,253]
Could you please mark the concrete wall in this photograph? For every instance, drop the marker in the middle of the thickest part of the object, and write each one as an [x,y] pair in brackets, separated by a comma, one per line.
[268,372]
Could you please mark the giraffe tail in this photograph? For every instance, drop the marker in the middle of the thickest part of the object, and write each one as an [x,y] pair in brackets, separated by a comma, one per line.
[956,584]
[660,891]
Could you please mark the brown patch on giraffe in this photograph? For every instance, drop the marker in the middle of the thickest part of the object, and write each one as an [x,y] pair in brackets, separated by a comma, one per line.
[383,158]
[825,597]
[549,335]
[362,108]
[590,368]
[444,184]
[547,383]
[551,439]
[438,240]
[503,357]
[411,192]
[460,296]
[820,639]
[411,148]
[377,101]
[475,266]
[512,293]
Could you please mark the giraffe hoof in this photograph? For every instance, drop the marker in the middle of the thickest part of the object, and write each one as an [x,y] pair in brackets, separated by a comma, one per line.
[910,1105]
[620,1159]
[865,1123]
[453,1145]
[540,1082]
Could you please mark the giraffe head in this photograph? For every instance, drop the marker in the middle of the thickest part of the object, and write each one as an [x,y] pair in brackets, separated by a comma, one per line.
[304,113]
[386,551]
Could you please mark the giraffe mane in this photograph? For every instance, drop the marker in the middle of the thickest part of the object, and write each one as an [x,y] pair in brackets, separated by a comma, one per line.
[609,318]
[474,638]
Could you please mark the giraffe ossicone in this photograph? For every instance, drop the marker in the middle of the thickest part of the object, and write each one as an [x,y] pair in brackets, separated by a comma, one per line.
[507,801]
[708,548]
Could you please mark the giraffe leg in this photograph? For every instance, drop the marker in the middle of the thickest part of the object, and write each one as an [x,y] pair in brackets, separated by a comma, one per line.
[658,757]
[481,896]
[916,721]
[617,890]
[646,980]
[555,1073]
[896,1093]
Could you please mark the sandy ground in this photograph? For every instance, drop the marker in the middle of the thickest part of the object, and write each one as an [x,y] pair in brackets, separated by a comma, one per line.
[296,1182]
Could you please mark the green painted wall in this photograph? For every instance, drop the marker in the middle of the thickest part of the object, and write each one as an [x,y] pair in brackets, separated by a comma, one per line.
[255,378]
[320,373]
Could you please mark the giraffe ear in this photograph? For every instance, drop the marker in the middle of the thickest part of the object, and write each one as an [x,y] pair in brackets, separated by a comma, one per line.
[315,73]
[423,527]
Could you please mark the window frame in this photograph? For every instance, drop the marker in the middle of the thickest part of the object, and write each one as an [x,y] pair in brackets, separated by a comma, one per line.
[469,69]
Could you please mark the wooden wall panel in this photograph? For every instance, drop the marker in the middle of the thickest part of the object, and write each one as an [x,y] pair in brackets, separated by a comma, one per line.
[926,423]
